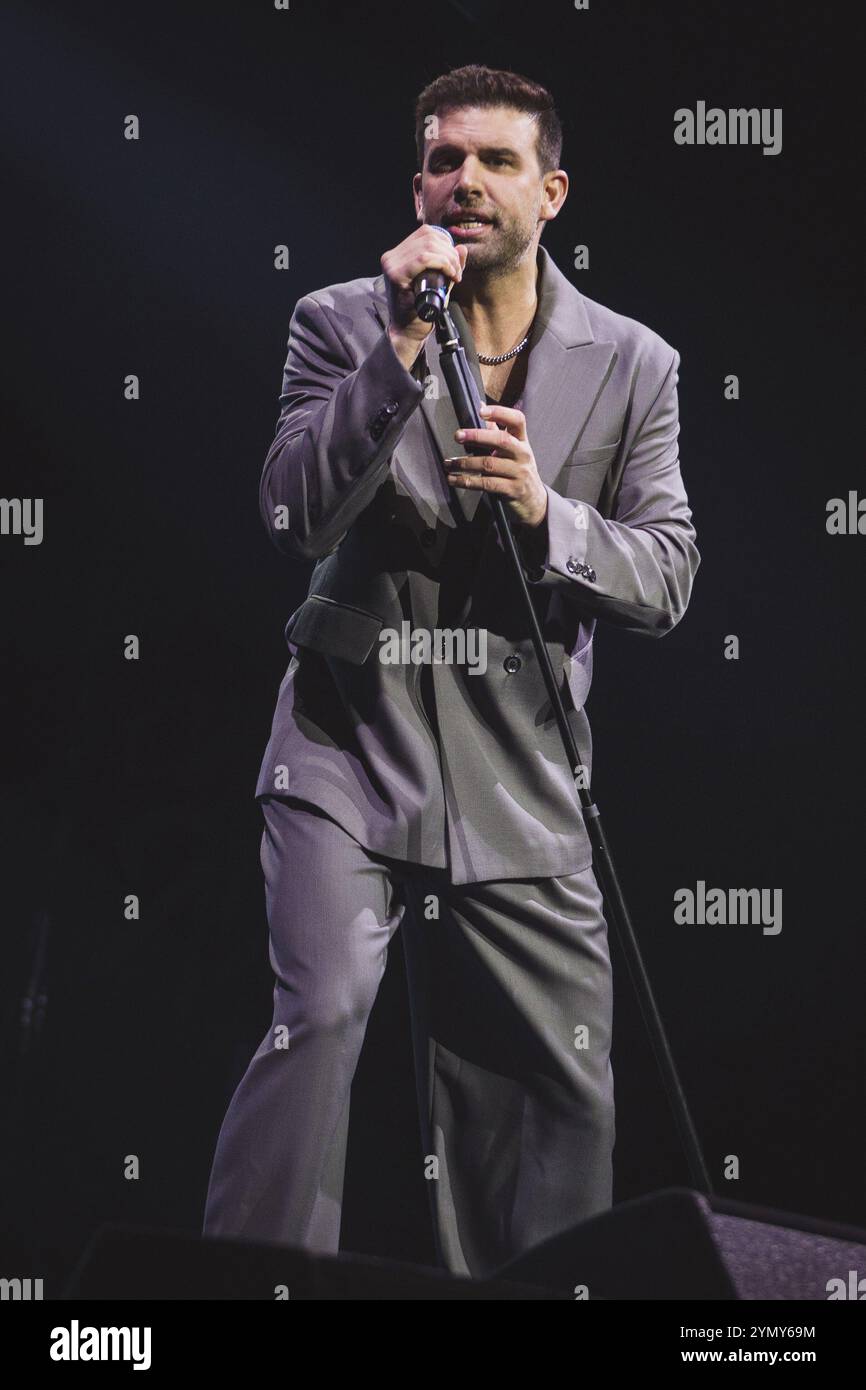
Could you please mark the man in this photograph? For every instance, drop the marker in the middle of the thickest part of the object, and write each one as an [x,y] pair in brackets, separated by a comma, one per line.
[401,786]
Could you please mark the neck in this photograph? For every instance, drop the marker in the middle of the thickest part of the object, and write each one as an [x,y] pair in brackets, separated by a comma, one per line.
[499,308]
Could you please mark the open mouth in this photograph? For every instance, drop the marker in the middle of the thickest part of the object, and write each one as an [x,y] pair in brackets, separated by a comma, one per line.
[469,227]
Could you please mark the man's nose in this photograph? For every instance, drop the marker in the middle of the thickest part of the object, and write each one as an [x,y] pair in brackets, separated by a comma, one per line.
[468,177]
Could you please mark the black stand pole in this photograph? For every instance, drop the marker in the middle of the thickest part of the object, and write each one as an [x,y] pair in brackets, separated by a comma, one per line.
[464,395]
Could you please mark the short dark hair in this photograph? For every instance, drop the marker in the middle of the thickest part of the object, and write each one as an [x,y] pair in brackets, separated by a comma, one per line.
[475,85]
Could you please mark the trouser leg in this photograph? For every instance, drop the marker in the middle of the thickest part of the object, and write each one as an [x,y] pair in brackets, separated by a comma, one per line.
[279,1165]
[512,1019]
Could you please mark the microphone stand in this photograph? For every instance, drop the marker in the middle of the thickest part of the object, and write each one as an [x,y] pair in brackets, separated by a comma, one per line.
[465,398]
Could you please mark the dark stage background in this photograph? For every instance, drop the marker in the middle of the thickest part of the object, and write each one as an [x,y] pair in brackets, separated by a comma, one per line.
[155,257]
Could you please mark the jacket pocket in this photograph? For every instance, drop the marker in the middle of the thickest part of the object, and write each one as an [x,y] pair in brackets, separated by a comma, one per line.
[334,629]
[577,664]
[602,455]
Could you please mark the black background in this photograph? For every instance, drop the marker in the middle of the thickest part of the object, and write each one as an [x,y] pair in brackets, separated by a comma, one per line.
[156,257]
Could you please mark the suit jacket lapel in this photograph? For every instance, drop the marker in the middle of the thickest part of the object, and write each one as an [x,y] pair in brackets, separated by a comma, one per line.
[566,371]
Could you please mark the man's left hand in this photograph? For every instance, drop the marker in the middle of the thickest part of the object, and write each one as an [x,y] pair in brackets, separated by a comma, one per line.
[510,470]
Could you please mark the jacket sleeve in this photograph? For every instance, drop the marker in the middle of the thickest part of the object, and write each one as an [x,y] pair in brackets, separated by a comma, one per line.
[338,426]
[637,569]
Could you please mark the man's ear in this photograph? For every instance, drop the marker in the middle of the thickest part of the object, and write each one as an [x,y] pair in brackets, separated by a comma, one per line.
[419,202]
[556,190]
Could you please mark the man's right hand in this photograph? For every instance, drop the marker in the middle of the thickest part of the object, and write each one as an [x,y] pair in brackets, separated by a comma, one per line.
[425,249]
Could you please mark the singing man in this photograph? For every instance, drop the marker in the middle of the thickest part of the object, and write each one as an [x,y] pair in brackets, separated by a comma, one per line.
[428,794]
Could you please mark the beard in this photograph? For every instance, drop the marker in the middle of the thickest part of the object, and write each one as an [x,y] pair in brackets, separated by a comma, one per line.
[503,249]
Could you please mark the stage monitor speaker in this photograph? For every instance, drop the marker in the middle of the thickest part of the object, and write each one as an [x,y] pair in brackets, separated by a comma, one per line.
[680,1244]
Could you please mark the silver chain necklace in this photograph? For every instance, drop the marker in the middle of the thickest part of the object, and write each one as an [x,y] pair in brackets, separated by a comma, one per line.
[503,356]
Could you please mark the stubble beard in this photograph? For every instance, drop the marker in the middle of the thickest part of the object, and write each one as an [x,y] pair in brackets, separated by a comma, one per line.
[510,244]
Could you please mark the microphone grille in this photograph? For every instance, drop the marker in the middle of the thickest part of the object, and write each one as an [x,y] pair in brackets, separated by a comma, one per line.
[444,230]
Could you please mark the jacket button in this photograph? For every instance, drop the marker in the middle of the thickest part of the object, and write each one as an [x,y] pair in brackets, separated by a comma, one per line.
[512,663]
[428,537]
[591,575]
[391,408]
[571,565]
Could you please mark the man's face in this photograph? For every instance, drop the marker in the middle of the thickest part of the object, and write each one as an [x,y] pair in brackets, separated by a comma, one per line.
[485,160]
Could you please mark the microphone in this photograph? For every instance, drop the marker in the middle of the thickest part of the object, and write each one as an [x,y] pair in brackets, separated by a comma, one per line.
[432,287]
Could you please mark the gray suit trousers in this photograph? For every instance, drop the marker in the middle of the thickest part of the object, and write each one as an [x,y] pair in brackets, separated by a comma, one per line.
[511,1006]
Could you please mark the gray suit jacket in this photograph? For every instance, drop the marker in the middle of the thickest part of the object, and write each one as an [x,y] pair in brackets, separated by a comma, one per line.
[433,761]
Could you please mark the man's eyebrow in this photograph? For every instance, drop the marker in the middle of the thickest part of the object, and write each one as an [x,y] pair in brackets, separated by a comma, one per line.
[485,152]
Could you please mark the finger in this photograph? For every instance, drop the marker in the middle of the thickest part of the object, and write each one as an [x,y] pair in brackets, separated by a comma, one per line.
[494,437]
[443,246]
[444,241]
[484,482]
[435,260]
[507,417]
[483,463]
